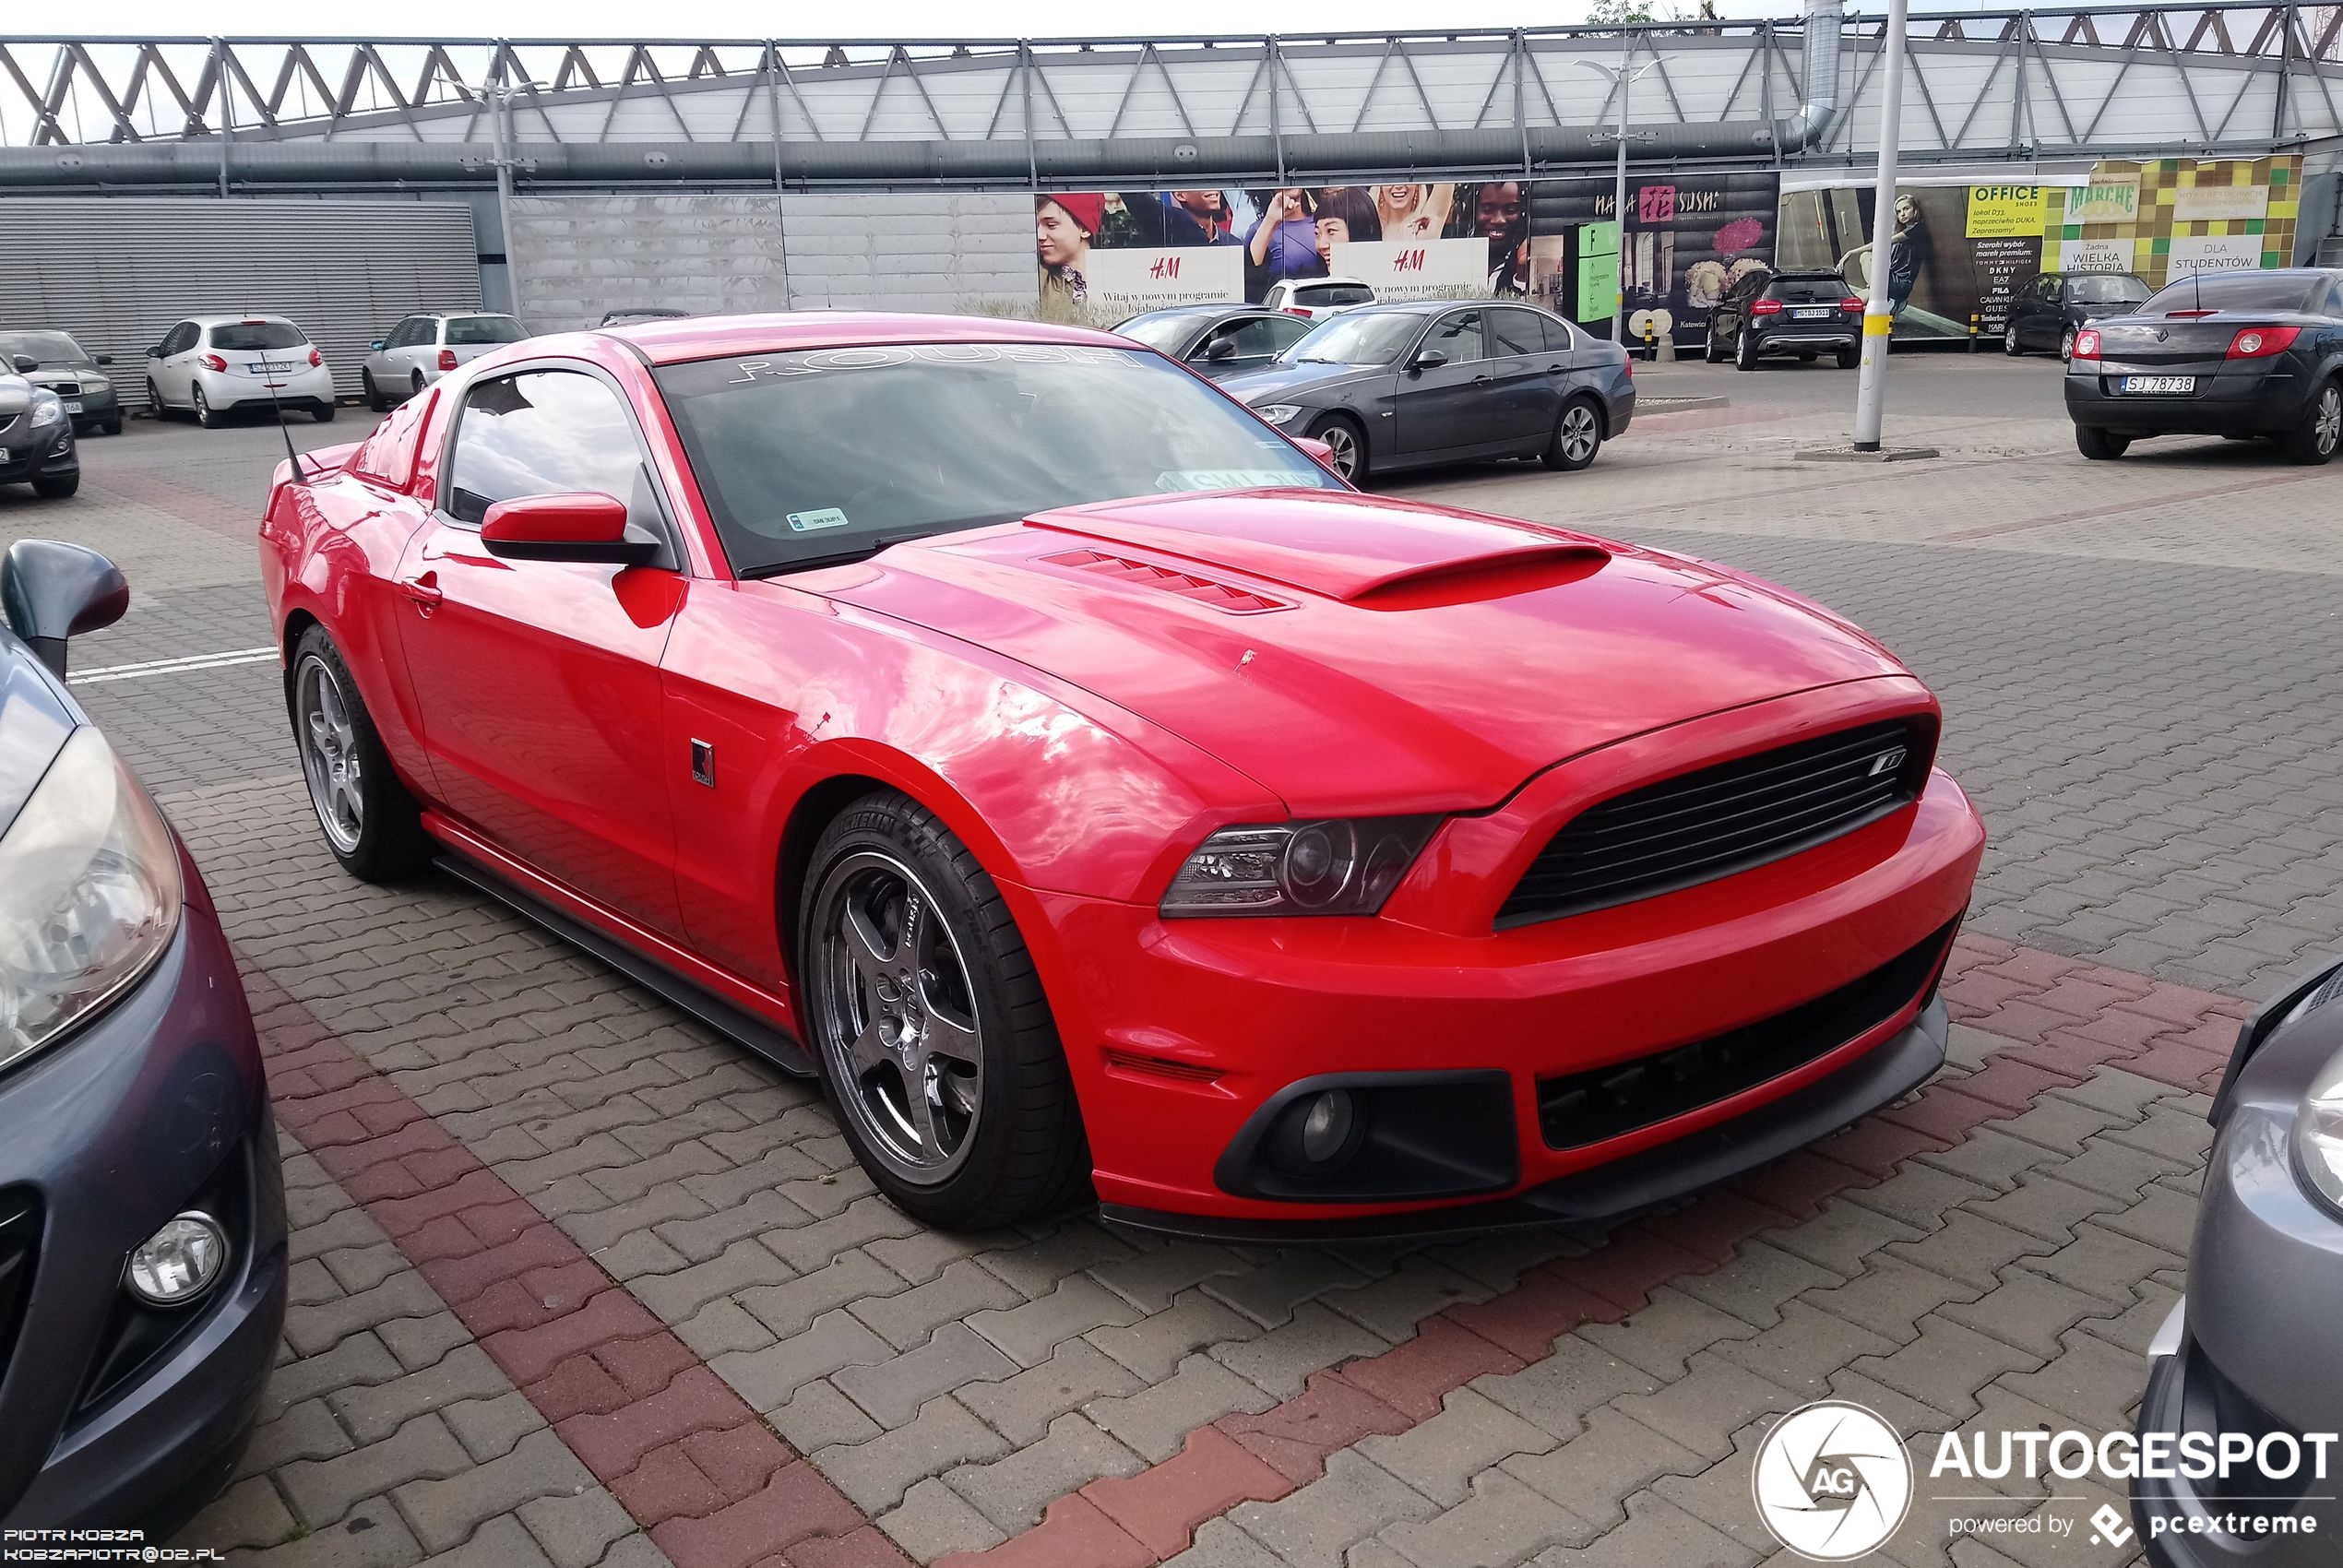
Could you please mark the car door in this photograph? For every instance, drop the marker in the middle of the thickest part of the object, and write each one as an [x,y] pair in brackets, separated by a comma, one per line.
[2038,307]
[1529,381]
[1443,409]
[1254,341]
[538,681]
[174,372]
[387,371]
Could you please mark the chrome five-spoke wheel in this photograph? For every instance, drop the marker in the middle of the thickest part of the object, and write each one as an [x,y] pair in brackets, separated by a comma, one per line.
[895,1018]
[329,754]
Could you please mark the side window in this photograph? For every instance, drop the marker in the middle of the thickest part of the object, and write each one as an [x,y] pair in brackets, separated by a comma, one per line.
[1514,332]
[545,432]
[2049,286]
[1285,331]
[414,331]
[1265,337]
[181,340]
[1458,337]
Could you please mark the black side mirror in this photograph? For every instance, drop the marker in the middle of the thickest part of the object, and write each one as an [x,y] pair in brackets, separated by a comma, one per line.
[156,353]
[51,591]
[1431,358]
[1221,349]
[26,364]
[103,359]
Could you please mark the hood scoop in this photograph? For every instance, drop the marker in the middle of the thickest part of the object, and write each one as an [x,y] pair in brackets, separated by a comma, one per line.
[1164,579]
[1358,548]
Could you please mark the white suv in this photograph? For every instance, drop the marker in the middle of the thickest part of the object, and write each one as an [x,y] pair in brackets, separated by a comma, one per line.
[1315,299]
[426,345]
[212,364]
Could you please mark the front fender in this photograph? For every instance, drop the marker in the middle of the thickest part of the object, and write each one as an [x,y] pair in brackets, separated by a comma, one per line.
[797,698]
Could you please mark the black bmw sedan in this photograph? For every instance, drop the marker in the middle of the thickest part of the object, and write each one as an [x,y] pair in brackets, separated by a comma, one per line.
[2240,354]
[1402,386]
[142,1214]
[1217,340]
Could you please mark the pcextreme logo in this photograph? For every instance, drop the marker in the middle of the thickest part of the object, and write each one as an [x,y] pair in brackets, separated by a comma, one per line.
[1832,1481]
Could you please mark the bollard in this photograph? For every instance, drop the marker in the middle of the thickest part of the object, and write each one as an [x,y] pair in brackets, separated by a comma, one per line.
[1667,352]
[1650,352]
[1973,331]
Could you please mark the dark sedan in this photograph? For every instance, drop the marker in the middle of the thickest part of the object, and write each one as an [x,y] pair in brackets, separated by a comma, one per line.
[2053,306]
[53,360]
[142,1216]
[36,439]
[1405,385]
[1217,340]
[2239,354]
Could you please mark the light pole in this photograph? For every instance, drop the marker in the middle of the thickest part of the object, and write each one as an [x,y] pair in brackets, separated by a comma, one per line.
[500,101]
[1871,390]
[1624,77]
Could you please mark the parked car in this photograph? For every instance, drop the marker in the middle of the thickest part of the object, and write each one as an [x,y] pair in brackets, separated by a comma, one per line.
[1314,299]
[214,366]
[53,360]
[36,439]
[1075,810]
[2254,1347]
[1401,385]
[2239,354]
[1217,340]
[641,313]
[1804,314]
[142,1216]
[426,345]
[2046,311]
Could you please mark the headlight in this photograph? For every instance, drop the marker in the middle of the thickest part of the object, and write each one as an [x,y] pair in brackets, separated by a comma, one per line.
[89,895]
[97,384]
[47,408]
[2318,1124]
[1278,413]
[1336,867]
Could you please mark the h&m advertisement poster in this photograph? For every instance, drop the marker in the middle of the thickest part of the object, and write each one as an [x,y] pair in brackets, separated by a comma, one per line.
[1103,257]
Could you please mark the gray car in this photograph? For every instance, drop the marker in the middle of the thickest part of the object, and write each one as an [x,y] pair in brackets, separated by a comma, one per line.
[2256,1347]
[1392,387]
[1218,341]
[142,1217]
[53,360]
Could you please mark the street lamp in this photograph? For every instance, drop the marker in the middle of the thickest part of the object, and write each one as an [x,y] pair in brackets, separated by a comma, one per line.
[1623,76]
[500,102]
[1871,390]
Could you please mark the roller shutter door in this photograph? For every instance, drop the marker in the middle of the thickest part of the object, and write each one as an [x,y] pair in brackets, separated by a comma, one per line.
[116,271]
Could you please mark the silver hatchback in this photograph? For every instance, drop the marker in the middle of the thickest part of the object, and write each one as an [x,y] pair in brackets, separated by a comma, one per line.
[425,346]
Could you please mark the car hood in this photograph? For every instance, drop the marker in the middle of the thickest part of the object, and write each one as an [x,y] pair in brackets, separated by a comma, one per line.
[1357,654]
[1298,380]
[15,396]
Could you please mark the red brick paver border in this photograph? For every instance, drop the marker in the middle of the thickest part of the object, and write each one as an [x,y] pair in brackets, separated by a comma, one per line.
[685,1456]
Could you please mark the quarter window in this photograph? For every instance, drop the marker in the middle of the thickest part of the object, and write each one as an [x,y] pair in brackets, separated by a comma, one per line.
[545,432]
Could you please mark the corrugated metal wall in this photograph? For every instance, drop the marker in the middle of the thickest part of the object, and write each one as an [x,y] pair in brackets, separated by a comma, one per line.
[579,256]
[116,271]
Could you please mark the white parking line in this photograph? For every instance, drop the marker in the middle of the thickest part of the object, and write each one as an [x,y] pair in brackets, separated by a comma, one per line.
[171,666]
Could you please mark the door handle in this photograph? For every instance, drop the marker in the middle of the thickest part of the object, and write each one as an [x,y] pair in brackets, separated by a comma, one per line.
[424,590]
[1554,370]
[1481,381]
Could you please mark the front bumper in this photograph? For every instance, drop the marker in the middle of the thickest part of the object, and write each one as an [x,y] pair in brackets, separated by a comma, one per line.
[113,1415]
[46,453]
[2254,403]
[1191,1029]
[2256,1350]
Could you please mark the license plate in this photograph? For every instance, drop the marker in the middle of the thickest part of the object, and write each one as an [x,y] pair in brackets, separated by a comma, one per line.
[2160,383]
[72,407]
[266,368]
[4,457]
[1812,315]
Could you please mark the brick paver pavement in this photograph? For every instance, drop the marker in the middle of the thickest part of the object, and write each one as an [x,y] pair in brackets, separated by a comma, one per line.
[576,1281]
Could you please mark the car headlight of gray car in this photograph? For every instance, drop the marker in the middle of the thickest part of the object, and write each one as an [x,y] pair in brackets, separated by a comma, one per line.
[2318,1125]
[89,895]
[1278,413]
[47,408]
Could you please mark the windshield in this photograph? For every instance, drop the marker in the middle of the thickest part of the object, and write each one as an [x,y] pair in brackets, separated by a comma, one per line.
[1358,339]
[258,335]
[2234,291]
[467,331]
[835,453]
[1164,332]
[49,348]
[2106,290]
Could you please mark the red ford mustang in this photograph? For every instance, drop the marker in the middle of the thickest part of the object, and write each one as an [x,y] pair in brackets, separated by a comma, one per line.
[1001,723]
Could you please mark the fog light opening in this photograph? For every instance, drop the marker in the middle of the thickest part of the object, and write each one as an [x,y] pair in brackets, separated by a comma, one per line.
[181,1262]
[1326,1127]
[1319,1135]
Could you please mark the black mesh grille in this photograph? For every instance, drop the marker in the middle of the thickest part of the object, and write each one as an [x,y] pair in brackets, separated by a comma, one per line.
[1586,1108]
[1698,827]
[19,1243]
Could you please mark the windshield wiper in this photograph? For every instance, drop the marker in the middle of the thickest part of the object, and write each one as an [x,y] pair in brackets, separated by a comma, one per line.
[861,551]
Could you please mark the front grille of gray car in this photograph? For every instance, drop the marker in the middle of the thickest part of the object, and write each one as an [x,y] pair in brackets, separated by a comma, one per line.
[19,1243]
